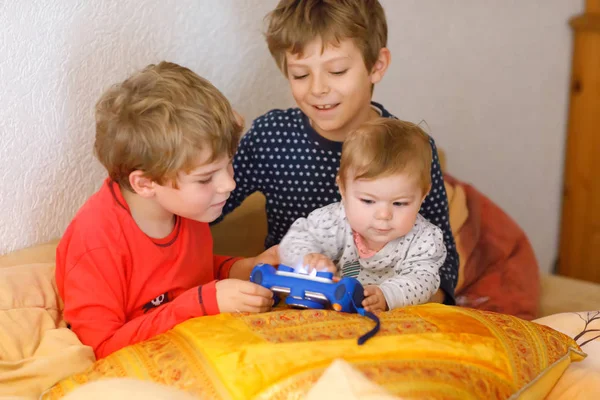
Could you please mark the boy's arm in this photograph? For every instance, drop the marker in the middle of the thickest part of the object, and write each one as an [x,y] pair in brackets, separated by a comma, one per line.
[244,170]
[94,293]
[417,276]
[435,210]
[223,264]
[241,268]
[316,233]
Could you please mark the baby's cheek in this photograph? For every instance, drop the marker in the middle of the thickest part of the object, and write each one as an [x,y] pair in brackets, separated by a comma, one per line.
[406,221]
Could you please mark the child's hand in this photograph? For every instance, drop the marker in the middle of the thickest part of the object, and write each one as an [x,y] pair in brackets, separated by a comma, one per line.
[235,295]
[374,299]
[242,269]
[319,262]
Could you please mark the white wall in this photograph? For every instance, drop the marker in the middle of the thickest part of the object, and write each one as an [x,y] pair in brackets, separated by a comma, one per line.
[56,58]
[489,77]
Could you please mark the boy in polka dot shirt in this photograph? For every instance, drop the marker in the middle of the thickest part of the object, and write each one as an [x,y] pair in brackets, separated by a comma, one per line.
[376,233]
[333,53]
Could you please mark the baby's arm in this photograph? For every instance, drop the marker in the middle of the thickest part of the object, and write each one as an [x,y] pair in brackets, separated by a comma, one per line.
[417,276]
[314,235]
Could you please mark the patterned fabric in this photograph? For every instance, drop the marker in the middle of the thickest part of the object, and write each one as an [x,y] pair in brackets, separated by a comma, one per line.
[428,351]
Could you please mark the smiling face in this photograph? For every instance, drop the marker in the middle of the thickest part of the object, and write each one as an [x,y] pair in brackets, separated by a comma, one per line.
[382,209]
[332,86]
[200,194]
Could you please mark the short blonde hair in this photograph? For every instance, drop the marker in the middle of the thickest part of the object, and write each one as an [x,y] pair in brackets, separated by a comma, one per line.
[294,23]
[158,121]
[384,147]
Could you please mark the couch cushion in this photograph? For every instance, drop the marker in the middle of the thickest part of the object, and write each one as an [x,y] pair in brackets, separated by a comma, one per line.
[36,348]
[431,351]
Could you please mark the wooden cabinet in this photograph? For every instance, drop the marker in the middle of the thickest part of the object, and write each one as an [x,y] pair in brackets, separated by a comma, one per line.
[579,254]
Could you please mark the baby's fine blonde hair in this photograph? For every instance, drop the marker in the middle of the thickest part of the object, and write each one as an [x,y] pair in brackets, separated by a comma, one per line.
[294,23]
[159,120]
[384,147]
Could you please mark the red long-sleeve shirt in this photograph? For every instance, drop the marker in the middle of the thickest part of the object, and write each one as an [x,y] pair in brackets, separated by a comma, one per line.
[120,286]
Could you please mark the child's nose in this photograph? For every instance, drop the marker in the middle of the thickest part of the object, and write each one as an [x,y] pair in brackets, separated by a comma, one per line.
[384,213]
[319,85]
[226,183]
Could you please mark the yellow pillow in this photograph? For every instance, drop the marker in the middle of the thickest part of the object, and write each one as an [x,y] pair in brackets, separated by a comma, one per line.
[431,351]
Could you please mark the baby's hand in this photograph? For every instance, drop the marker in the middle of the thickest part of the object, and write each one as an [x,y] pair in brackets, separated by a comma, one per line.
[319,262]
[374,299]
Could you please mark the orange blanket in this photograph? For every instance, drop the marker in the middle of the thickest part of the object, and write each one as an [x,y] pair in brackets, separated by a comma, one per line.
[498,270]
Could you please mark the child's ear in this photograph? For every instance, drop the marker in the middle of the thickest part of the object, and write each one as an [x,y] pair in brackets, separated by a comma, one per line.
[141,185]
[381,65]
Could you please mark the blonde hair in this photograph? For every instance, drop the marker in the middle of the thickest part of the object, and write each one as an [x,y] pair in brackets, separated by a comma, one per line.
[294,23]
[158,121]
[384,147]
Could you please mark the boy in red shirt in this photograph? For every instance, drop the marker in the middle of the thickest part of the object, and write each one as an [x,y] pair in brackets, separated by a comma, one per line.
[137,258]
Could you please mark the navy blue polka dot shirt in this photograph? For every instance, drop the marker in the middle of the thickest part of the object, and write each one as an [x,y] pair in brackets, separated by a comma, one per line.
[295,168]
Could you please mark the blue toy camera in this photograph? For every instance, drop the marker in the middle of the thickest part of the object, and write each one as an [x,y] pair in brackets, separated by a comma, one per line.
[319,291]
[306,291]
